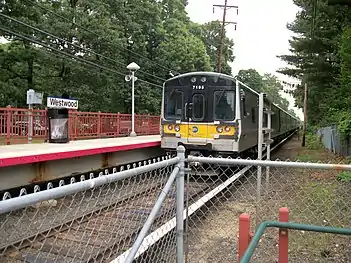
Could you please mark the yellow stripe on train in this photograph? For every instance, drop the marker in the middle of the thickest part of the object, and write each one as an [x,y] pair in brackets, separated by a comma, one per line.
[198,130]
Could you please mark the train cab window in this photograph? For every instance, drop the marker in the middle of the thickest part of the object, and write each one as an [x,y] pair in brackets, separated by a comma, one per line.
[198,107]
[224,103]
[174,105]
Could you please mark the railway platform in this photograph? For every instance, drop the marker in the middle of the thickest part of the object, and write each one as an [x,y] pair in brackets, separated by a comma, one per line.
[25,164]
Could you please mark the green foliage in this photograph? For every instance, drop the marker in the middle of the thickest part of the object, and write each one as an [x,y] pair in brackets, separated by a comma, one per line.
[344,176]
[210,34]
[267,83]
[251,78]
[313,142]
[323,62]
[157,35]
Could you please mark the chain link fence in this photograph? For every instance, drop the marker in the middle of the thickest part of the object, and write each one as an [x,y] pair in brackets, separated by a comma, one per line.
[314,193]
[138,213]
[94,220]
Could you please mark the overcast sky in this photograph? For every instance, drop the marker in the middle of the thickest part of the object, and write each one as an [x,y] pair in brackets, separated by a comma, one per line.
[261,32]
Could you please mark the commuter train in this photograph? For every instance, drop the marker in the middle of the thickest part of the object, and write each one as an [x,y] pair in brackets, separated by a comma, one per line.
[214,114]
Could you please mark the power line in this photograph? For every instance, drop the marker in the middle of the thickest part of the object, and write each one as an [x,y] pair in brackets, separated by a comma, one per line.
[70,55]
[72,44]
[87,30]
[224,22]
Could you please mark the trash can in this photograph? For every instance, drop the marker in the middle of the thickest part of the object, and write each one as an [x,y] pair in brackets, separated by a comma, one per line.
[58,125]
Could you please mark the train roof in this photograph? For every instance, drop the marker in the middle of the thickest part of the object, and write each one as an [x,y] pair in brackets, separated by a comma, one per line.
[225,76]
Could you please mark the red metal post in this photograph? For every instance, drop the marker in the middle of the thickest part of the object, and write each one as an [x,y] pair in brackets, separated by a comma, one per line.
[283,236]
[99,124]
[244,234]
[149,125]
[118,124]
[10,128]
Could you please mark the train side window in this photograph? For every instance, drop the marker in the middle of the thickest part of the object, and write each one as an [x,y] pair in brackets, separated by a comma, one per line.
[198,107]
[253,115]
[265,120]
[243,102]
[224,105]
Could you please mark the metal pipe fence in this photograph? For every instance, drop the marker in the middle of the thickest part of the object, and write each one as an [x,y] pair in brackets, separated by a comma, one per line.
[315,194]
[15,123]
[251,243]
[180,210]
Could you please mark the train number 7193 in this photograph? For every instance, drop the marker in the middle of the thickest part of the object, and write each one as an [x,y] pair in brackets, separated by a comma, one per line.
[197,87]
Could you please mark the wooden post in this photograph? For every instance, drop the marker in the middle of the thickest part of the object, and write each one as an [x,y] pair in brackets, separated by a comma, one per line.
[304,117]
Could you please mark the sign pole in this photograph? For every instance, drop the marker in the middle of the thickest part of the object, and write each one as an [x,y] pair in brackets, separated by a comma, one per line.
[30,123]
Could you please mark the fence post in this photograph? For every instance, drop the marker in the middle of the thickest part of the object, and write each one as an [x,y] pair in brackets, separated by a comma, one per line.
[153,214]
[99,124]
[259,156]
[118,123]
[180,204]
[46,121]
[149,130]
[244,235]
[283,236]
[10,128]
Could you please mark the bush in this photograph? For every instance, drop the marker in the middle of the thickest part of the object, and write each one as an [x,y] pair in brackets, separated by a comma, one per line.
[313,142]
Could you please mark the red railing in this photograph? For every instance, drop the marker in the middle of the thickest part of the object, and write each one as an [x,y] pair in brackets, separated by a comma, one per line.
[14,125]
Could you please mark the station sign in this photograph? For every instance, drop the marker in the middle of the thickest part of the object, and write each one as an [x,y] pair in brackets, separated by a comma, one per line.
[34,97]
[61,103]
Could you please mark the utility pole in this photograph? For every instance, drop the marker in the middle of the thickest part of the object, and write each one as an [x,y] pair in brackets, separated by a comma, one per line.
[224,23]
[304,117]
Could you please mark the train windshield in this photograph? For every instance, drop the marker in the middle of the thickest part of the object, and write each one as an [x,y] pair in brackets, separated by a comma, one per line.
[198,107]
[174,101]
[224,105]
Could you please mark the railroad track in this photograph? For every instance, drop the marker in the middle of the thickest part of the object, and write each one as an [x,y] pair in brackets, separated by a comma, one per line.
[93,236]
[234,178]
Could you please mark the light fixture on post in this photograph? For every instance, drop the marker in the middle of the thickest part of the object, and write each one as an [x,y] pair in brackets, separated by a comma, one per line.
[133,67]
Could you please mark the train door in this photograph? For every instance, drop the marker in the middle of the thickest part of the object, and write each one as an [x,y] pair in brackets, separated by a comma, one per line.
[197,115]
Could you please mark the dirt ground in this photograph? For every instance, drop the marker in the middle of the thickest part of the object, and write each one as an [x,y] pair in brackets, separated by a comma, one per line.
[312,196]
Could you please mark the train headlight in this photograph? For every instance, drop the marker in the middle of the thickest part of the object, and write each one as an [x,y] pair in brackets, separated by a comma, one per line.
[219,129]
[203,79]
[227,129]
[170,127]
[177,128]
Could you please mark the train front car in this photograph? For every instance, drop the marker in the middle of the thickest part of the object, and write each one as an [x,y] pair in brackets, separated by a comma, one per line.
[199,111]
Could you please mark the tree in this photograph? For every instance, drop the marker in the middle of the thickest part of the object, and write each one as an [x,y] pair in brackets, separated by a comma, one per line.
[267,83]
[99,38]
[317,59]
[251,78]
[210,34]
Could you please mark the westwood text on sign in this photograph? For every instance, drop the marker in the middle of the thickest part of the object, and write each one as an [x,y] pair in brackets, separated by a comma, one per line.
[62,103]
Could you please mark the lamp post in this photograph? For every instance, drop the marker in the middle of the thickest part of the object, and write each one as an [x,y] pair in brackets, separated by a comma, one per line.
[133,67]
